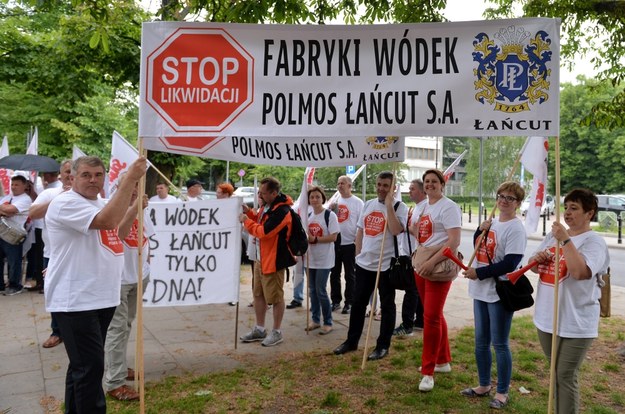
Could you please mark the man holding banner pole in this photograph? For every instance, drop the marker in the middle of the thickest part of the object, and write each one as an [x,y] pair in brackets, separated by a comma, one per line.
[82,284]
[270,226]
[376,215]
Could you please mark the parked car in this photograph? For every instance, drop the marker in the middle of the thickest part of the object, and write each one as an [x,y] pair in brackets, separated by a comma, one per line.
[247,193]
[614,203]
[549,204]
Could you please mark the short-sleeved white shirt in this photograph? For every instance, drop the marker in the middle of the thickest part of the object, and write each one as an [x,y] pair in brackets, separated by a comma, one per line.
[169,199]
[372,221]
[321,255]
[503,238]
[44,197]
[85,268]
[578,315]
[348,211]
[22,203]
[407,248]
[436,219]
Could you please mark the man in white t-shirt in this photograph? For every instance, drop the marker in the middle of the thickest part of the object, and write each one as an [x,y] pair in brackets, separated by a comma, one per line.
[116,345]
[162,195]
[82,284]
[14,208]
[347,208]
[380,215]
[37,211]
[411,304]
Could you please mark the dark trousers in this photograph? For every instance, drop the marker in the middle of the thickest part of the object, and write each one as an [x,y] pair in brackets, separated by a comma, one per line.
[13,255]
[344,256]
[365,283]
[410,306]
[54,325]
[84,334]
[34,268]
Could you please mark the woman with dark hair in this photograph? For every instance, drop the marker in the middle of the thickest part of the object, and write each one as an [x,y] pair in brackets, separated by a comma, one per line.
[500,251]
[323,227]
[438,225]
[584,258]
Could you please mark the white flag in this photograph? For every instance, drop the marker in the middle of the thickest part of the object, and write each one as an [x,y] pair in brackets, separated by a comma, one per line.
[33,149]
[77,152]
[5,174]
[534,159]
[122,155]
[452,168]
[301,204]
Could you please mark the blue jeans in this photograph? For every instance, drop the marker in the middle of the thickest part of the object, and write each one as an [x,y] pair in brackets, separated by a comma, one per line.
[13,254]
[298,282]
[319,299]
[492,325]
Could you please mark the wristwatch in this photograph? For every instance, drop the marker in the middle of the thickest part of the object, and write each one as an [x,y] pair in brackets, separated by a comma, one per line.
[563,243]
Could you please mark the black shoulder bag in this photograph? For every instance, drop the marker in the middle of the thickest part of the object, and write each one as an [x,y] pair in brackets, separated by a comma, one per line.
[515,296]
[401,273]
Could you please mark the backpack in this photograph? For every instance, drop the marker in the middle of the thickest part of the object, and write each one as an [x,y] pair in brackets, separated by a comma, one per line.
[298,239]
[337,242]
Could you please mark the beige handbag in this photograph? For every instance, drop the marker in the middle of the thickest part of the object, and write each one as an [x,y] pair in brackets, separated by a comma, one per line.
[444,271]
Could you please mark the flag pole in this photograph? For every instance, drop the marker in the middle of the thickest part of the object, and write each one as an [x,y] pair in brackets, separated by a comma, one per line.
[377,281]
[556,284]
[139,375]
[492,213]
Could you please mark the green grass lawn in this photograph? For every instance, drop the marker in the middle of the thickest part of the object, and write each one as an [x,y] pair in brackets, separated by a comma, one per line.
[320,382]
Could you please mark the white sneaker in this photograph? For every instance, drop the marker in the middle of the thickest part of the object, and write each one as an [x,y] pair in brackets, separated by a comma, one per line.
[443,368]
[274,338]
[427,383]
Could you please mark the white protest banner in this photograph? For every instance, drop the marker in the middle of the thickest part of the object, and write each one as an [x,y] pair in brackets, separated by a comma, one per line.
[290,152]
[476,78]
[195,253]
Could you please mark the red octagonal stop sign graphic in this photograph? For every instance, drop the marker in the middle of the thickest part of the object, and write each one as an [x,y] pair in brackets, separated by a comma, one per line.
[199,80]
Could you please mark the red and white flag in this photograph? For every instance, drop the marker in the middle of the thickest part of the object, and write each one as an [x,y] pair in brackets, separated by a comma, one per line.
[77,152]
[122,155]
[534,159]
[452,168]
[301,204]
[5,174]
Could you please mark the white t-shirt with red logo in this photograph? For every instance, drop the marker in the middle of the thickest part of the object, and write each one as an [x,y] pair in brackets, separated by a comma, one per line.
[348,211]
[436,219]
[404,247]
[504,238]
[85,268]
[321,255]
[131,256]
[372,222]
[578,315]
[22,203]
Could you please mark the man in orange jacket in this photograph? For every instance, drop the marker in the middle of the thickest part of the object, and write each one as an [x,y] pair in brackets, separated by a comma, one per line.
[271,226]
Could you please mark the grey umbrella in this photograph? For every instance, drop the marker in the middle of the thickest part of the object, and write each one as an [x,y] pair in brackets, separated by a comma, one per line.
[29,162]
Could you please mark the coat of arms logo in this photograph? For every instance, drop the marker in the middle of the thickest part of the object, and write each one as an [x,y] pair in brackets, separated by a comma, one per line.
[512,71]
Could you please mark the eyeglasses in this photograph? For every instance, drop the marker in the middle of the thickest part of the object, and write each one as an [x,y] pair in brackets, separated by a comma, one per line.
[509,199]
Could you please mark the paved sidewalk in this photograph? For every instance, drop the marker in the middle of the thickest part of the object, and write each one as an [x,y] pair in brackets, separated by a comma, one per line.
[180,340]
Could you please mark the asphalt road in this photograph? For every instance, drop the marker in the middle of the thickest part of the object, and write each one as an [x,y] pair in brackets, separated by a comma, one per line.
[617,256]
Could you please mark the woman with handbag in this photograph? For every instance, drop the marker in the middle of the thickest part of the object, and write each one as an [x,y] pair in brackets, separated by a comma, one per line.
[584,259]
[438,226]
[500,251]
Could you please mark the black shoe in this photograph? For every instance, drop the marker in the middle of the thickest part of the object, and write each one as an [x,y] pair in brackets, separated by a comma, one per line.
[346,309]
[294,304]
[378,353]
[344,348]
[335,306]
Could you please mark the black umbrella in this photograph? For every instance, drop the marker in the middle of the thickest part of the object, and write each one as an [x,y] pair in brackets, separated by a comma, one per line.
[29,162]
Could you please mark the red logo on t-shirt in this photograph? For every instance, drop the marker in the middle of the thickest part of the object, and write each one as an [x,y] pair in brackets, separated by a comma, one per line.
[374,223]
[132,240]
[343,213]
[426,228]
[110,241]
[547,271]
[315,229]
[488,245]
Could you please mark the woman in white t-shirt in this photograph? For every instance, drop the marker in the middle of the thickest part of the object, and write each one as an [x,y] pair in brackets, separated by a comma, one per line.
[438,225]
[323,227]
[584,258]
[500,251]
